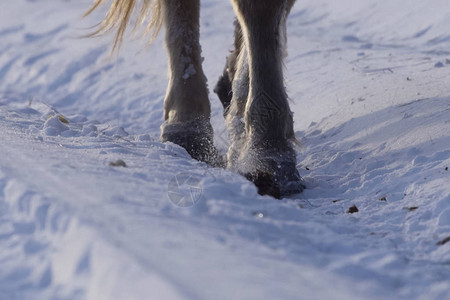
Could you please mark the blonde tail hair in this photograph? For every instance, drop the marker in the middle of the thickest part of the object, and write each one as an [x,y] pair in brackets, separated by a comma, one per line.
[119,15]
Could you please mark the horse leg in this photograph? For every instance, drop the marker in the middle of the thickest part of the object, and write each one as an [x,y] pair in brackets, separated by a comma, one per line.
[186,104]
[232,86]
[224,87]
[266,155]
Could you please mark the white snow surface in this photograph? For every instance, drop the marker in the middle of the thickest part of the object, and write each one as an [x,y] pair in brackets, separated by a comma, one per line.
[369,83]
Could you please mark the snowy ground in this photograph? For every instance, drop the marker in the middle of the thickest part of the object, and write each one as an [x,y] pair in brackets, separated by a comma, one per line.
[369,83]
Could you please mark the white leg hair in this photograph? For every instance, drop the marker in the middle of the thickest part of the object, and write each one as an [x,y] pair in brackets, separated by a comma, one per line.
[235,114]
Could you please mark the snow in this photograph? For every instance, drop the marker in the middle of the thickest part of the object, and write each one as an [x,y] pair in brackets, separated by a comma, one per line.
[368,83]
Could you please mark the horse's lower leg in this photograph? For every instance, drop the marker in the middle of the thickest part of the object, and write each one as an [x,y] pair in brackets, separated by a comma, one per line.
[223,88]
[233,85]
[267,157]
[186,105]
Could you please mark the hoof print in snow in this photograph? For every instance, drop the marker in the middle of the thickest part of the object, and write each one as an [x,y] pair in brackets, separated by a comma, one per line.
[353,210]
[443,242]
[118,163]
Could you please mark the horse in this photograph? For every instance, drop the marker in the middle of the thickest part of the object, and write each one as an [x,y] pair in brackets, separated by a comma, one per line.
[251,88]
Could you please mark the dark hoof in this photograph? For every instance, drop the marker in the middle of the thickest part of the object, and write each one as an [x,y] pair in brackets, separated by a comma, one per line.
[197,139]
[282,182]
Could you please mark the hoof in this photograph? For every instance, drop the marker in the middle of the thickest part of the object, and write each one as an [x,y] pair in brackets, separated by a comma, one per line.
[196,138]
[273,170]
[284,180]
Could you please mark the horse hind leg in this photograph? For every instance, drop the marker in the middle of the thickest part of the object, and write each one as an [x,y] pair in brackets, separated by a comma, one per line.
[224,86]
[186,105]
[266,156]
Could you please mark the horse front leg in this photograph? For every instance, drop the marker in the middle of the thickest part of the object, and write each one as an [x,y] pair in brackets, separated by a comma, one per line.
[186,105]
[224,86]
[266,157]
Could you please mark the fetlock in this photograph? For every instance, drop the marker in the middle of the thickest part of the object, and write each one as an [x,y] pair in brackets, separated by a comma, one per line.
[197,137]
[272,169]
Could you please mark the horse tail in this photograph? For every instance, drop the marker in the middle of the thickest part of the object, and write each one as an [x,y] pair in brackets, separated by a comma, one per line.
[120,13]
